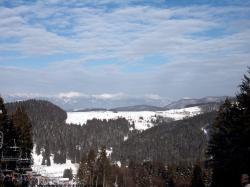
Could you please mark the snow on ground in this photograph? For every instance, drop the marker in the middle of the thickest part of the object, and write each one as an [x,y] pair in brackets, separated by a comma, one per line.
[125,138]
[204,130]
[55,170]
[109,151]
[141,119]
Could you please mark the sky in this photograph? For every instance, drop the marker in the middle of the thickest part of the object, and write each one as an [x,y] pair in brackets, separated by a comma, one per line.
[123,48]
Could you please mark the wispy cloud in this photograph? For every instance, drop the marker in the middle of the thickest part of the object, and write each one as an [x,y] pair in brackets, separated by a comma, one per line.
[107,44]
[128,32]
[103,96]
[107,96]
[71,94]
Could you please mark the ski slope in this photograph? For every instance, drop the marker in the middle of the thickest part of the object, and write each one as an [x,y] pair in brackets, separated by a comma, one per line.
[54,170]
[142,119]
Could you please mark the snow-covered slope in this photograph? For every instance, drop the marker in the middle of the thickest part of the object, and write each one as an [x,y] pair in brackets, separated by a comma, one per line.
[55,170]
[142,119]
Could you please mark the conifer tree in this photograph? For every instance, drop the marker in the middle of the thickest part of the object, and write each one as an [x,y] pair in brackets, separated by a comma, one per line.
[46,155]
[87,168]
[24,130]
[83,171]
[230,139]
[103,168]
[91,166]
[7,128]
[197,180]
[67,173]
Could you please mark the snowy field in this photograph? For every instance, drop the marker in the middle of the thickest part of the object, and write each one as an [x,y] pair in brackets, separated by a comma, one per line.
[55,170]
[142,120]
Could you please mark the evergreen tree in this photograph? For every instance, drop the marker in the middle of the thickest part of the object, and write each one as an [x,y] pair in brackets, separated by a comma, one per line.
[83,172]
[46,155]
[67,173]
[230,139]
[103,168]
[87,168]
[91,163]
[24,129]
[7,127]
[197,180]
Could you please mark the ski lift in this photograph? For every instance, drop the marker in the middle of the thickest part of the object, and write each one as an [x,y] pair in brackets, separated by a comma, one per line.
[15,147]
[12,153]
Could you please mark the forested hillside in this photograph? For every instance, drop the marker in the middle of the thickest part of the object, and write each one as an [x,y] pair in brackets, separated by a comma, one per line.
[175,142]
[53,136]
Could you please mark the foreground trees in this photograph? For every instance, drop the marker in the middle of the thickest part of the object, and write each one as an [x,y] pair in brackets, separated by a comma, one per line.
[7,127]
[24,132]
[95,169]
[17,129]
[229,146]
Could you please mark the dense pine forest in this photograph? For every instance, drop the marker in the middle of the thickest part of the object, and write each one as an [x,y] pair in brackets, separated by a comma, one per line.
[181,142]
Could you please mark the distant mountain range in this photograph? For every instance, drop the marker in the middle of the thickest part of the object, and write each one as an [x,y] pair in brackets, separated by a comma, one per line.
[139,108]
[192,102]
[82,103]
[183,103]
[126,104]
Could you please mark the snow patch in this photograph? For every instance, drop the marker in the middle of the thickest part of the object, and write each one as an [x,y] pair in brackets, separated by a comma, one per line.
[204,130]
[55,170]
[125,138]
[141,119]
[118,163]
[109,152]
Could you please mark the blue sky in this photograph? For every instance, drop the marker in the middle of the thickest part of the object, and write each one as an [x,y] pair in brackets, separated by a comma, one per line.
[135,48]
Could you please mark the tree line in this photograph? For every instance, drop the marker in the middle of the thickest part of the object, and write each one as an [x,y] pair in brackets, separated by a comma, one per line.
[96,169]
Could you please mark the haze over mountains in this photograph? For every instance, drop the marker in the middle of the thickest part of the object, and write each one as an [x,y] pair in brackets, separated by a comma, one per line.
[82,103]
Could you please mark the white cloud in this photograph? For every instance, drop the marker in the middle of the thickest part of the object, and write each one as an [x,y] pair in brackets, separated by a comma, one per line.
[128,32]
[108,96]
[71,94]
[124,35]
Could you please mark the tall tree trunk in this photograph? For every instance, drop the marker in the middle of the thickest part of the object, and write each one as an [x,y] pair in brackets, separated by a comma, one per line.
[96,182]
[103,182]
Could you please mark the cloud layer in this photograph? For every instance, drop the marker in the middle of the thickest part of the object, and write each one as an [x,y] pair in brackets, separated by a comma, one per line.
[102,48]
